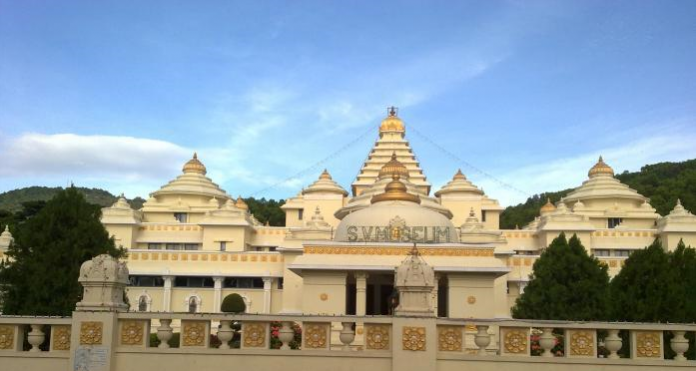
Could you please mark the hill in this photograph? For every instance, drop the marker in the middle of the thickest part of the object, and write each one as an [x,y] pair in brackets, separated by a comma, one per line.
[21,203]
[12,200]
[663,183]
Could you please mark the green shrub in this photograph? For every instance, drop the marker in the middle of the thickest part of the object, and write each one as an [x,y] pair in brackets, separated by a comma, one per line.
[173,342]
[233,303]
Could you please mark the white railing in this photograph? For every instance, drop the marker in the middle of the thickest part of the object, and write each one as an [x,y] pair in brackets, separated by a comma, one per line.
[13,333]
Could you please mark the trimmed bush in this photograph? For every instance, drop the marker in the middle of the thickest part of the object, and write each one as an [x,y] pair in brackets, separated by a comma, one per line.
[233,303]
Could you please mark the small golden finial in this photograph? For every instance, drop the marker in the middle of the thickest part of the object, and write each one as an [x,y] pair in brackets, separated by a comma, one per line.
[392,111]
[195,155]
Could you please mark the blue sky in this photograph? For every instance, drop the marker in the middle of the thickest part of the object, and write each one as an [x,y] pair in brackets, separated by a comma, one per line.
[521,95]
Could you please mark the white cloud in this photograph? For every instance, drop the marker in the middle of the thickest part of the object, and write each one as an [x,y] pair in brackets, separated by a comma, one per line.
[122,164]
[570,172]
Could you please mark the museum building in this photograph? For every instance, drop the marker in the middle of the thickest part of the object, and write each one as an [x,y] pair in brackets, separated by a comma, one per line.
[192,244]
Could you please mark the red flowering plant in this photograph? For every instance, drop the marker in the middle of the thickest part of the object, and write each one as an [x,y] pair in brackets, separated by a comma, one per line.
[295,343]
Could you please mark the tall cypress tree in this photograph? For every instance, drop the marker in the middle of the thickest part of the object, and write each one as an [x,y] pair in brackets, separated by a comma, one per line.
[40,276]
[566,284]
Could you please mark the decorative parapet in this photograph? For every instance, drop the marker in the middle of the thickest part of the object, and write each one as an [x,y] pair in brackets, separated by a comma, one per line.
[104,279]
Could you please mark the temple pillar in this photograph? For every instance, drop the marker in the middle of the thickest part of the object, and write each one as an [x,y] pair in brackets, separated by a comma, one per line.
[360,293]
[167,296]
[267,284]
[435,293]
[217,295]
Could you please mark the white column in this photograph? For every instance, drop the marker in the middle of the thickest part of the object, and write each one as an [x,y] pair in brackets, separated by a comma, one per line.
[360,293]
[267,283]
[435,293]
[217,295]
[167,293]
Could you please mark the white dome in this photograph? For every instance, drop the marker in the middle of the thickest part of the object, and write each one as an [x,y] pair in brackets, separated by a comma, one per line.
[396,221]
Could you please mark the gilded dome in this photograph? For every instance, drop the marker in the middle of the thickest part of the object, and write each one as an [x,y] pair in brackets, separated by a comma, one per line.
[392,167]
[548,207]
[392,123]
[240,204]
[600,168]
[395,191]
[194,166]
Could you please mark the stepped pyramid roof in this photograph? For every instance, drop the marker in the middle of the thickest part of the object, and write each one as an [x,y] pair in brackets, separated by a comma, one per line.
[602,184]
[391,144]
[459,184]
[325,184]
[193,181]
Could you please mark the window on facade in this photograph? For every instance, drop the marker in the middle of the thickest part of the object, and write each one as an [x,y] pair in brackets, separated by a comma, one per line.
[622,252]
[300,214]
[280,283]
[192,305]
[223,245]
[483,215]
[243,282]
[183,246]
[600,252]
[614,222]
[194,282]
[154,246]
[142,304]
[146,281]
[181,217]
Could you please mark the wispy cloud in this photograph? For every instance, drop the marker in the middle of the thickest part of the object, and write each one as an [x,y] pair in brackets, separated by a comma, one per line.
[570,172]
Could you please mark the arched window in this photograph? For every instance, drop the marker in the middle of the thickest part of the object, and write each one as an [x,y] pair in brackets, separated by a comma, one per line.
[192,305]
[142,303]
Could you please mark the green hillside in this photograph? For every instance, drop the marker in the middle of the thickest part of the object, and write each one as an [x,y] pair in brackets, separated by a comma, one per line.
[12,200]
[663,183]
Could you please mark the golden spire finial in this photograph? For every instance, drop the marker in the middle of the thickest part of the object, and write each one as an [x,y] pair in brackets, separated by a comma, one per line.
[600,168]
[392,123]
[194,166]
[325,175]
[459,175]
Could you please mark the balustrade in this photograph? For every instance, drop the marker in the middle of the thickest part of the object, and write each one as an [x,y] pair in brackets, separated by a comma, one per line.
[469,337]
[14,330]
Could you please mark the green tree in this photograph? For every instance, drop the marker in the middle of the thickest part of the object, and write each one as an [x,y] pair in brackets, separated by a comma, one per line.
[40,276]
[641,292]
[233,303]
[683,267]
[566,284]
[267,210]
[654,285]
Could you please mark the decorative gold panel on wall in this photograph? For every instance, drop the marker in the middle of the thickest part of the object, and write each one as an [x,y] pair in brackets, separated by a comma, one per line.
[61,337]
[449,338]
[315,335]
[582,343]
[377,337]
[515,341]
[91,333]
[413,338]
[254,335]
[7,334]
[132,332]
[648,344]
[193,334]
